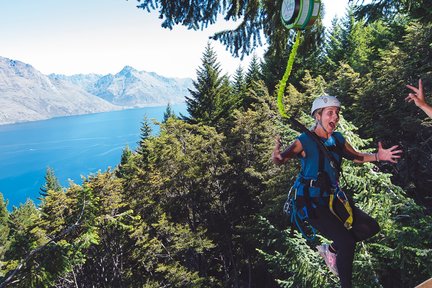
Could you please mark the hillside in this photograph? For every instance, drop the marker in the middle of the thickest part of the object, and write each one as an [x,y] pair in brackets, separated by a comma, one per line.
[28,95]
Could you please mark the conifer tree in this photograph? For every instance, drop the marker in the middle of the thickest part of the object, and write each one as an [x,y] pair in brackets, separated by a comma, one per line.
[334,49]
[352,42]
[309,56]
[253,73]
[340,43]
[4,234]
[124,170]
[248,144]
[145,135]
[239,81]
[51,182]
[398,65]
[239,87]
[177,197]
[196,203]
[212,92]
[273,67]
[107,222]
[169,113]
[252,78]
[347,85]
[145,131]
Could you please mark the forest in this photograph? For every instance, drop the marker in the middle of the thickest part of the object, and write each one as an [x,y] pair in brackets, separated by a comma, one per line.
[200,204]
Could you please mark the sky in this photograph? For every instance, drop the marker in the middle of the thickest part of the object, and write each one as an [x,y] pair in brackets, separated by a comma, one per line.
[103,36]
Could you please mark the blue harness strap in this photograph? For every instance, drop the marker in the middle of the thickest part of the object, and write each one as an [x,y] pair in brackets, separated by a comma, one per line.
[290,208]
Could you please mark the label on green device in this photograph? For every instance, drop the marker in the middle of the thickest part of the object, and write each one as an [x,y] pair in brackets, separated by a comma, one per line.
[288,10]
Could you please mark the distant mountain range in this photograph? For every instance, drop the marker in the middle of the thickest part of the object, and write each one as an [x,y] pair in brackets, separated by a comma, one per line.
[27,95]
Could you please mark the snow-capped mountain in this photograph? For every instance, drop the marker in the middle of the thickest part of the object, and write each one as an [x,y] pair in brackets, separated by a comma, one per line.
[133,88]
[85,81]
[27,95]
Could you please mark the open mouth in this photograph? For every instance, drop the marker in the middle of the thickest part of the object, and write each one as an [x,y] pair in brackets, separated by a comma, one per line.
[332,125]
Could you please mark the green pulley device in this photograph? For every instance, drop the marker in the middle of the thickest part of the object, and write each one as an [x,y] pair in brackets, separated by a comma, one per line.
[299,15]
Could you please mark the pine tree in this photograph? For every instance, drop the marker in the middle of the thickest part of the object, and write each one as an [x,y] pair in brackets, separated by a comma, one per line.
[309,56]
[107,222]
[239,87]
[145,134]
[347,86]
[4,234]
[274,65]
[334,48]
[169,113]
[253,73]
[252,78]
[124,170]
[171,239]
[212,93]
[239,82]
[341,44]
[51,182]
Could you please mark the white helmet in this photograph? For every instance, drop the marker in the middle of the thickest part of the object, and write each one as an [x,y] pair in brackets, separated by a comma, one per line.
[324,101]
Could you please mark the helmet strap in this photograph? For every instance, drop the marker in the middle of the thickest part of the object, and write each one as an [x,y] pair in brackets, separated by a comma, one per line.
[322,126]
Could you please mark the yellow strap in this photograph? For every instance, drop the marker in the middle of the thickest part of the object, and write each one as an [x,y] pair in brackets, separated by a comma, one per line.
[331,200]
[348,222]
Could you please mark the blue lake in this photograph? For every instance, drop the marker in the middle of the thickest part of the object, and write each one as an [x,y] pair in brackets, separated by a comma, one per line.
[71,146]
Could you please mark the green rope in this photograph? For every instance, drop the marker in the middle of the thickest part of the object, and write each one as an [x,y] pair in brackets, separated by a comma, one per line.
[283,81]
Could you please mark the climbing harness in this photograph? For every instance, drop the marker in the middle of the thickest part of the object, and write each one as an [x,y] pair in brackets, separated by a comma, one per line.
[303,207]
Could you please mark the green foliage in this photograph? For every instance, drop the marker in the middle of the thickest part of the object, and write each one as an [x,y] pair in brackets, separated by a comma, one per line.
[347,85]
[378,9]
[51,182]
[25,236]
[239,82]
[257,19]
[354,43]
[145,133]
[211,100]
[308,58]
[124,169]
[381,102]
[253,73]
[375,194]
[4,233]
[165,249]
[169,113]
[200,204]
[292,261]
[399,249]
